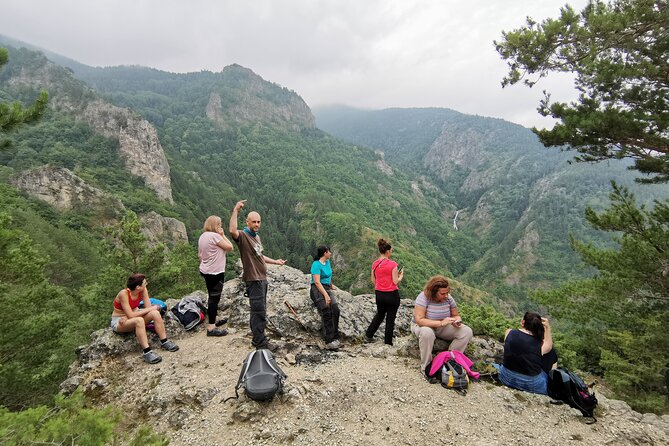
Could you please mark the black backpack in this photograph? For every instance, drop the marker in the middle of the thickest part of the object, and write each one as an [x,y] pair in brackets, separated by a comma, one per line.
[568,387]
[189,311]
[261,377]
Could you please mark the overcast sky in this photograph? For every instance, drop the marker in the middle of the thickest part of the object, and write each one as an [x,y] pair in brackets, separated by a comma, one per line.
[363,53]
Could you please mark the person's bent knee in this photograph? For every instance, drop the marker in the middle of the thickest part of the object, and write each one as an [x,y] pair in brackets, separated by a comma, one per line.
[137,321]
[465,332]
[153,315]
[426,333]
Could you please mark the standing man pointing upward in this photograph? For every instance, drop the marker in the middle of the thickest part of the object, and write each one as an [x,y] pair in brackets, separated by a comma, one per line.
[254,273]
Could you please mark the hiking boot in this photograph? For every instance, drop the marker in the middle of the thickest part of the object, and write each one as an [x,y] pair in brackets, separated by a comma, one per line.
[217,332]
[334,345]
[169,346]
[268,346]
[151,357]
[222,321]
[368,340]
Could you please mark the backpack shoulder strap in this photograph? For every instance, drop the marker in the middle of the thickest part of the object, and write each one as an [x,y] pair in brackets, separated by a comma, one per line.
[269,359]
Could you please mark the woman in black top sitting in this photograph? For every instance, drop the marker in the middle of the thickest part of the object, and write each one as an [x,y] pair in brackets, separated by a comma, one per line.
[529,355]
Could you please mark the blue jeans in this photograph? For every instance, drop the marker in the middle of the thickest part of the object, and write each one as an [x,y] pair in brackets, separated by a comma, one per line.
[257,293]
[515,380]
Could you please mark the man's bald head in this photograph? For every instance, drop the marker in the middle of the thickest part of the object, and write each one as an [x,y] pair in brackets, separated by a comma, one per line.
[253,221]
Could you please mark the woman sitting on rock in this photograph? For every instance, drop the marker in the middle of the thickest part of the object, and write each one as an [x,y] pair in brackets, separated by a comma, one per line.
[321,295]
[128,317]
[435,315]
[528,355]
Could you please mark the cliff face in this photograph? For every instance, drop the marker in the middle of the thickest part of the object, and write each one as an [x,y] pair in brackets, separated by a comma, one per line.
[245,98]
[369,393]
[139,146]
[157,228]
[64,190]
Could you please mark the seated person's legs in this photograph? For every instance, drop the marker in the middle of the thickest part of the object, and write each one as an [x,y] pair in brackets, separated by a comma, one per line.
[159,326]
[426,337]
[135,324]
[460,336]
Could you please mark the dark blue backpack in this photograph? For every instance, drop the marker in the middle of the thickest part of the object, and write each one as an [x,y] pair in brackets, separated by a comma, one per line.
[163,309]
[569,388]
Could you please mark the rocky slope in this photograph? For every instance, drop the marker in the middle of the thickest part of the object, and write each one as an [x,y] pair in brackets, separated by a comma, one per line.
[243,98]
[64,190]
[364,393]
[139,146]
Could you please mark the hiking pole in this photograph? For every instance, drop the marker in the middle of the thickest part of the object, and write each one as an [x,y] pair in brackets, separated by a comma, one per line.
[292,310]
[272,326]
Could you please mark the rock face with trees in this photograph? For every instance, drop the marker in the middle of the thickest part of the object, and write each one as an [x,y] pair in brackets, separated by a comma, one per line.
[138,144]
[245,98]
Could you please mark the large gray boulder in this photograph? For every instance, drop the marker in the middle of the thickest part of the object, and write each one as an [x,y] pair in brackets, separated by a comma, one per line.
[287,284]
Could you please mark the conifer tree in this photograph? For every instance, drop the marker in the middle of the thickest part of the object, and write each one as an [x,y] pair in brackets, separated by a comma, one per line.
[14,114]
[619,52]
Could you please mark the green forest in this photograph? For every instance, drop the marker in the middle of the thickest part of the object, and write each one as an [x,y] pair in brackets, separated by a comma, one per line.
[584,243]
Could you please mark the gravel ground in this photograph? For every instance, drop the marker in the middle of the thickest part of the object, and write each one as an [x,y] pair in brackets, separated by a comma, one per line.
[362,394]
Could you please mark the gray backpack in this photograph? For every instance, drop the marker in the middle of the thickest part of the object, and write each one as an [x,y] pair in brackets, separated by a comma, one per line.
[261,377]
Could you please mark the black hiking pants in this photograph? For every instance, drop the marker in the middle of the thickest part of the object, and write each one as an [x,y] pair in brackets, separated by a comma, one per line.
[329,313]
[387,304]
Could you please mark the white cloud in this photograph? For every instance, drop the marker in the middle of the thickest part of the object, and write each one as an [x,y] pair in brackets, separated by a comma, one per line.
[372,53]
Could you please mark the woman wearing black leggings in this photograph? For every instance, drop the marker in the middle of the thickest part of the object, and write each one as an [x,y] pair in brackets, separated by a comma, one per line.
[211,249]
[385,276]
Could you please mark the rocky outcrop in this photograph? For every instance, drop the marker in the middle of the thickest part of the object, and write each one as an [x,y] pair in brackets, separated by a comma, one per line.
[249,99]
[64,190]
[139,146]
[371,392]
[382,165]
[168,230]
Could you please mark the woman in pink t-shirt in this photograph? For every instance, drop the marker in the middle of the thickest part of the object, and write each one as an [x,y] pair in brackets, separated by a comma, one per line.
[211,250]
[385,276]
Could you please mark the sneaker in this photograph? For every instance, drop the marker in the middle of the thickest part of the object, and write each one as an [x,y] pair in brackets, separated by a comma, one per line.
[217,332]
[151,357]
[222,321]
[334,345]
[169,346]
[368,340]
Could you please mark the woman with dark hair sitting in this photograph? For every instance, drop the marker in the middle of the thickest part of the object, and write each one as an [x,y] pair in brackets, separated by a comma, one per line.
[528,355]
[321,295]
[385,276]
[436,315]
[128,317]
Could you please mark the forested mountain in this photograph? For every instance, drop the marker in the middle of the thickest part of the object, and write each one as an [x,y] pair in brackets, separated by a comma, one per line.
[520,200]
[123,146]
[164,146]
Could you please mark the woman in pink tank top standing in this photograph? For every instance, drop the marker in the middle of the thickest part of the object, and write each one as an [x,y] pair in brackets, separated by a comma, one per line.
[386,275]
